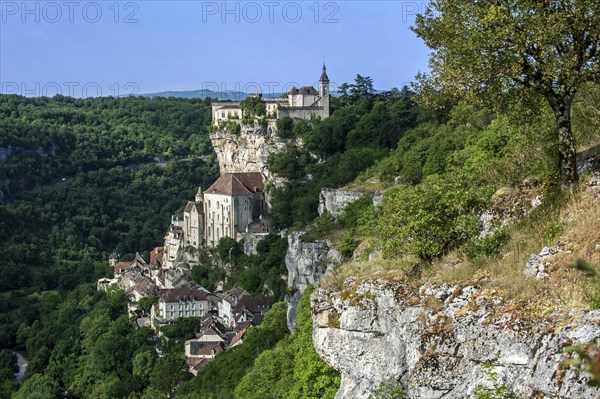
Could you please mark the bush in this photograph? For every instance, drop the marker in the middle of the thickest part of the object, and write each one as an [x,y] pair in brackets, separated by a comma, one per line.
[429,219]
[285,127]
[487,246]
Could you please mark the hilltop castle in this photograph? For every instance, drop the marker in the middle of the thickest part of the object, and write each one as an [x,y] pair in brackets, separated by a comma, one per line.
[303,103]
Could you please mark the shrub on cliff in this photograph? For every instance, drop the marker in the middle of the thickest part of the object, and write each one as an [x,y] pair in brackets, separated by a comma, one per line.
[430,218]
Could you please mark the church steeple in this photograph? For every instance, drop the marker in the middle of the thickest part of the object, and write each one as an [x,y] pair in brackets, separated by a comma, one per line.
[324,78]
[324,92]
[199,195]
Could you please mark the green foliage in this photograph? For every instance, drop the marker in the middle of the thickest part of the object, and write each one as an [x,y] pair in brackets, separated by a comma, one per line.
[389,390]
[487,246]
[485,52]
[285,127]
[360,131]
[553,231]
[429,219]
[146,303]
[292,369]
[169,373]
[38,386]
[207,275]
[227,249]
[347,245]
[8,368]
[360,215]
[59,137]
[253,107]
[184,328]
[251,272]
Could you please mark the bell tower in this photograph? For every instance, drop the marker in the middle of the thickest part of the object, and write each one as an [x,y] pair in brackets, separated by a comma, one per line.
[324,92]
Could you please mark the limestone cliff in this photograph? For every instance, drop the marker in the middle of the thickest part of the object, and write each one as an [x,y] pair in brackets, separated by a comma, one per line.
[247,151]
[442,341]
[306,263]
[335,201]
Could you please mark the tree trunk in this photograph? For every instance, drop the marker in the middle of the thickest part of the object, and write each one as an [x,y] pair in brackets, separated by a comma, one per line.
[567,154]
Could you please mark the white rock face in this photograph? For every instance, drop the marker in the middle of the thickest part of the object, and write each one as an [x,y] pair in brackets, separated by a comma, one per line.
[306,263]
[247,151]
[436,342]
[335,201]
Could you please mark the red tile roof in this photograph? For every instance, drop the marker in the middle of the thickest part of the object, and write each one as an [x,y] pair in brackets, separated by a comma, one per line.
[235,184]
[157,254]
[119,267]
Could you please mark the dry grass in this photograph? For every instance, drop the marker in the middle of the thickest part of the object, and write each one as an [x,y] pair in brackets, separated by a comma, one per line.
[565,287]
[395,270]
[577,219]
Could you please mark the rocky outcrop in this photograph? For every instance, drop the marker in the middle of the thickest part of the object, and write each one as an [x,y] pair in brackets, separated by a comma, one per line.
[335,201]
[447,341]
[306,262]
[509,204]
[588,161]
[247,151]
[538,264]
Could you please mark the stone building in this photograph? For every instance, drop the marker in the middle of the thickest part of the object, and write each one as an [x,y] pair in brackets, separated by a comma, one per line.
[184,301]
[233,205]
[193,221]
[301,103]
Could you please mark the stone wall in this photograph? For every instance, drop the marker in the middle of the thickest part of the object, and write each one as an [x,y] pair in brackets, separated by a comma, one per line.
[439,341]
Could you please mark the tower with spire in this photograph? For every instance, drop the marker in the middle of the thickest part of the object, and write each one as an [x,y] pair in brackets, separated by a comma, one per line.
[324,92]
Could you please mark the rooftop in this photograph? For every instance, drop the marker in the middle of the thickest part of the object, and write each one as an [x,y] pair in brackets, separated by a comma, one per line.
[235,184]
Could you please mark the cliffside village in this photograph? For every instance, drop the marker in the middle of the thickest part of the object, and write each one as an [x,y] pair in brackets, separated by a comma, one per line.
[234,206]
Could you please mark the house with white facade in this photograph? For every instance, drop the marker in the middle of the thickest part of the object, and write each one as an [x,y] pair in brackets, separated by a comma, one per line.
[184,301]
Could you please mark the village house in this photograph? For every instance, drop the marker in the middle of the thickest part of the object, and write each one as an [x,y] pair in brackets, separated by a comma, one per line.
[184,301]
[174,240]
[237,306]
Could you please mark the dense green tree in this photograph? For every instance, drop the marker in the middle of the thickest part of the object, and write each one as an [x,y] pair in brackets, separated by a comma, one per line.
[169,372]
[38,386]
[146,303]
[549,48]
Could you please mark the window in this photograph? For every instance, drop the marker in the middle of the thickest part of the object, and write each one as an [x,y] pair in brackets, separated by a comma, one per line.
[222,114]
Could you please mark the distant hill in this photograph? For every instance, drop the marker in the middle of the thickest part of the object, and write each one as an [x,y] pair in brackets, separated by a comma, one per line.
[204,93]
[221,95]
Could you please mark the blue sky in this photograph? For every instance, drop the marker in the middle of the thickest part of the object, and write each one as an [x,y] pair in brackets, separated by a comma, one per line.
[87,48]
